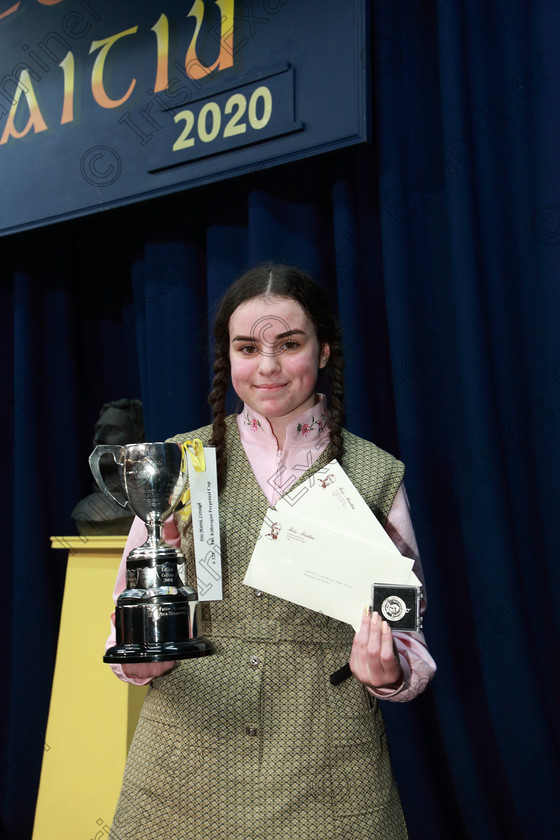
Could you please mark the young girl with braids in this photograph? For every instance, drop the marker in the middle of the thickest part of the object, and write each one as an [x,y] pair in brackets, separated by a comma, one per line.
[256,741]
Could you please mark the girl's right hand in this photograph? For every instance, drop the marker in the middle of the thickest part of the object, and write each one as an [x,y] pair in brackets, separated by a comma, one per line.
[147,670]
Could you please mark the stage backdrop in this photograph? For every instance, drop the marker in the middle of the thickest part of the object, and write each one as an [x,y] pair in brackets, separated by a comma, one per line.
[440,246]
[104,103]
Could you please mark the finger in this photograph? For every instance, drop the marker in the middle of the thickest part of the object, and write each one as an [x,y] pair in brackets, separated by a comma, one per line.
[389,658]
[359,645]
[149,669]
[365,623]
[362,635]
[387,651]
[364,661]
[374,639]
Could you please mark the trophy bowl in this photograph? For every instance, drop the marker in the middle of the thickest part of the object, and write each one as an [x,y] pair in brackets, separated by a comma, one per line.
[157,615]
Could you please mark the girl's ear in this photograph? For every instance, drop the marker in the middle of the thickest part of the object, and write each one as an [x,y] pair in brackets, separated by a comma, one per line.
[324,357]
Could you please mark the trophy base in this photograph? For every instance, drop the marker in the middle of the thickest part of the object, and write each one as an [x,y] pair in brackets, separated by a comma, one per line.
[164,652]
[157,625]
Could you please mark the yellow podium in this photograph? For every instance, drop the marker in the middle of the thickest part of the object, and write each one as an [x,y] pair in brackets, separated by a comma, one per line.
[92,714]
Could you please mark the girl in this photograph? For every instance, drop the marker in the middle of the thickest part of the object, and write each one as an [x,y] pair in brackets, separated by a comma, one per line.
[256,741]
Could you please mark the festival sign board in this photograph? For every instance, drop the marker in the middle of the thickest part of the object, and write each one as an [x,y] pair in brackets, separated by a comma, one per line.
[105,103]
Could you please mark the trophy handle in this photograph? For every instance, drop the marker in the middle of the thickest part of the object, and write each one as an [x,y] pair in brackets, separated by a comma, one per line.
[106,449]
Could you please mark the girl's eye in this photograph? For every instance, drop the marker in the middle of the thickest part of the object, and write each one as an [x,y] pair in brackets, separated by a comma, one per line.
[252,349]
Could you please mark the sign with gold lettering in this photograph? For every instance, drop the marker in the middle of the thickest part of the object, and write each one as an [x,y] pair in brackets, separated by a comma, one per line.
[104,103]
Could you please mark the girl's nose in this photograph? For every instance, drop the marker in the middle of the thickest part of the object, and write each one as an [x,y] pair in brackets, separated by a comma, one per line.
[269,362]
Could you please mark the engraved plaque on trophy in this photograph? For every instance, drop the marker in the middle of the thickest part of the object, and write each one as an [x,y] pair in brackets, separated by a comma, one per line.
[157,615]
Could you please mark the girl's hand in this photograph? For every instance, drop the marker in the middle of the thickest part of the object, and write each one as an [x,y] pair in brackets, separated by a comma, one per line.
[374,660]
[145,670]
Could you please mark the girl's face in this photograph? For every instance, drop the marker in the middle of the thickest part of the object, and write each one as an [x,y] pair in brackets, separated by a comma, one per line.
[275,356]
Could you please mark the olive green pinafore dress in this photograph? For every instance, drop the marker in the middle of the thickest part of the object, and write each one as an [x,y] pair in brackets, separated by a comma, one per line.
[254,742]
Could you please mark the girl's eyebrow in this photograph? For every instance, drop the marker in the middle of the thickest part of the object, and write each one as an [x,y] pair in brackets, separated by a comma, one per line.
[279,337]
[289,333]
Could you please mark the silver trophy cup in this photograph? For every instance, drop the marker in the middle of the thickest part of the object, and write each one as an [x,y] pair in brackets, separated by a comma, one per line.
[157,615]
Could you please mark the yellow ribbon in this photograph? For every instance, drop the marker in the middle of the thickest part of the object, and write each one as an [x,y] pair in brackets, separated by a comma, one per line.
[195,449]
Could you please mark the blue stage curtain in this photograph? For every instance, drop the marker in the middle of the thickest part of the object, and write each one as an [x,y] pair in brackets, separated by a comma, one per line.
[439,245]
[468,187]
[63,329]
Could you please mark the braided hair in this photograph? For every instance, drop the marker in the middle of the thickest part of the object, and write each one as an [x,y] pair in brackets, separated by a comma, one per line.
[287,282]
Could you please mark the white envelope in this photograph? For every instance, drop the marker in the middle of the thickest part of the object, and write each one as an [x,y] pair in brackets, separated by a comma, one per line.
[329,499]
[325,570]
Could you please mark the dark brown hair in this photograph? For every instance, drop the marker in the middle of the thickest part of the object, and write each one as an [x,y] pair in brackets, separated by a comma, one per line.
[288,282]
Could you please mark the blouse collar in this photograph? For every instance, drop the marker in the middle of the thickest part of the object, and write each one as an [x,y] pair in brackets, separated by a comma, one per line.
[309,426]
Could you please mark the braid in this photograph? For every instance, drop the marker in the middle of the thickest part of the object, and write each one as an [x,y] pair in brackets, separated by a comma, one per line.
[336,370]
[217,400]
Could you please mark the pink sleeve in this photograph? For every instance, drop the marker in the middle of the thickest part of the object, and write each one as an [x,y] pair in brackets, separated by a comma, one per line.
[417,663]
[137,536]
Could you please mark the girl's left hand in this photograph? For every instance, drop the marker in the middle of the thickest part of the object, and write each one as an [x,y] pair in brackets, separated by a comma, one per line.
[374,660]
